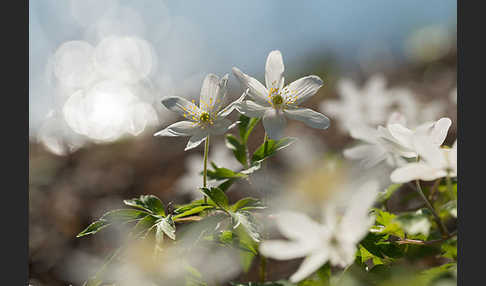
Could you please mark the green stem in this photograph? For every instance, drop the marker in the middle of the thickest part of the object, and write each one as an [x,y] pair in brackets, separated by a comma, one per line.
[442,227]
[205,172]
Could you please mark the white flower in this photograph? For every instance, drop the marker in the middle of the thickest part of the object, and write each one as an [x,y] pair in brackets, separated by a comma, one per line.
[401,138]
[435,162]
[368,106]
[334,240]
[208,118]
[275,102]
[375,148]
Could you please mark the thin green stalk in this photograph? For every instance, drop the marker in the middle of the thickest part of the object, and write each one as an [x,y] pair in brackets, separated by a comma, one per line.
[205,172]
[442,227]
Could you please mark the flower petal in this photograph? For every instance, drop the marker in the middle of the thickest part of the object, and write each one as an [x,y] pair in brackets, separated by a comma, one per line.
[370,155]
[256,90]
[220,126]
[416,171]
[283,250]
[181,128]
[181,106]
[296,226]
[274,123]
[401,134]
[209,93]
[439,131]
[274,69]
[310,265]
[251,109]
[310,117]
[230,107]
[302,89]
[431,153]
[195,140]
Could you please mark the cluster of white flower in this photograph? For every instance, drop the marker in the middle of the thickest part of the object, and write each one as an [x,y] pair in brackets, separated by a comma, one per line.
[343,225]
[372,105]
[274,103]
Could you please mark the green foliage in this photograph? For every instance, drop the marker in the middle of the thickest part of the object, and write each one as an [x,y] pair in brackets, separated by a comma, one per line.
[217,196]
[222,173]
[270,147]
[149,203]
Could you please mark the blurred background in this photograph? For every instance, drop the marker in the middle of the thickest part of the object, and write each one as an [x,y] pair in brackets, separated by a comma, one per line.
[98,69]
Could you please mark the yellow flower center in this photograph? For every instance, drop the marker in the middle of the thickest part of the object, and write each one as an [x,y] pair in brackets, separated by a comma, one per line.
[277,99]
[205,117]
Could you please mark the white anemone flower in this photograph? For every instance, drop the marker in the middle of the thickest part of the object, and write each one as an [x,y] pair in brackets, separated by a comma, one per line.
[275,102]
[334,240]
[207,119]
[400,138]
[435,162]
[368,105]
[374,148]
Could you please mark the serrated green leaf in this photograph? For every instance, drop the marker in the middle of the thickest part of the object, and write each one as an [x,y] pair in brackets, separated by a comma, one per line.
[149,203]
[217,196]
[390,225]
[270,147]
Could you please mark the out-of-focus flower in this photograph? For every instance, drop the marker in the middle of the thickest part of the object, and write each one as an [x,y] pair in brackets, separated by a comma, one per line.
[334,240]
[275,102]
[406,102]
[401,139]
[208,118]
[191,181]
[368,106]
[435,162]
[374,149]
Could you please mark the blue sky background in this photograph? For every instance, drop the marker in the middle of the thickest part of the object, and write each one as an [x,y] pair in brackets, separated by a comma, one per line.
[193,38]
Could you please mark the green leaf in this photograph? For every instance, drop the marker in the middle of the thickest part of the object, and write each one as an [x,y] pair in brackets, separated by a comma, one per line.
[449,249]
[94,228]
[226,184]
[149,203]
[366,255]
[245,127]
[123,215]
[217,196]
[194,210]
[247,203]
[167,226]
[239,149]
[246,220]
[390,225]
[269,148]
[223,174]
[143,226]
